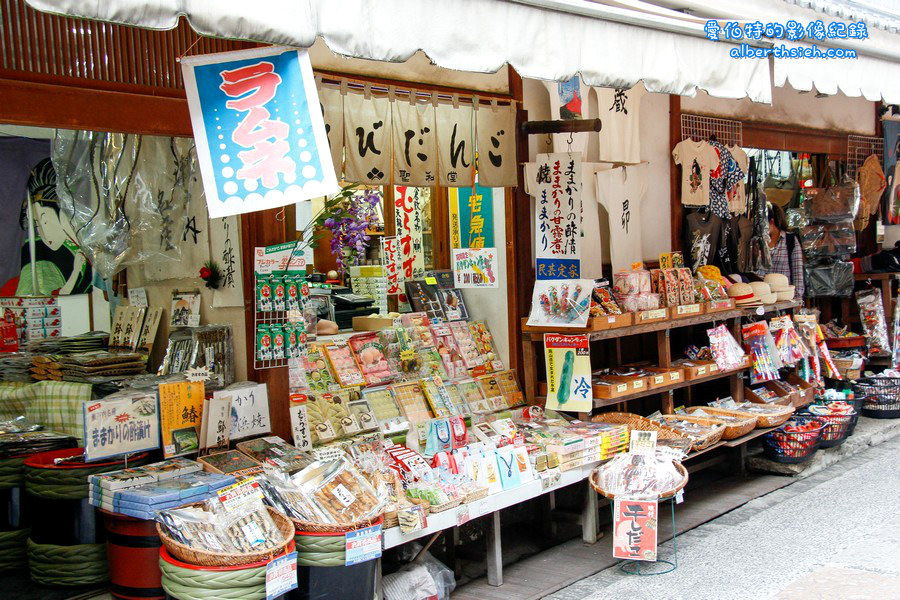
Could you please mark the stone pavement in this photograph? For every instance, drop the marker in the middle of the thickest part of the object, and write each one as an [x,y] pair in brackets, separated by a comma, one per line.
[834,534]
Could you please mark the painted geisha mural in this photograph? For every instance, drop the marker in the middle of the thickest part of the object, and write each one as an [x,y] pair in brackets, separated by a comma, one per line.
[60,267]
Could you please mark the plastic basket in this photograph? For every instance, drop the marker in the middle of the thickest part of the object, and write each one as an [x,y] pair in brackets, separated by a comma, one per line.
[838,427]
[880,397]
[793,447]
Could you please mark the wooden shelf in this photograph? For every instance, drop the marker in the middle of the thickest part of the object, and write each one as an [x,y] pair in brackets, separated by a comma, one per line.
[603,402]
[732,443]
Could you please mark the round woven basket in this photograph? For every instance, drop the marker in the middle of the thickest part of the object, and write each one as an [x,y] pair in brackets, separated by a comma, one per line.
[744,423]
[595,483]
[392,518]
[207,558]
[708,439]
[309,527]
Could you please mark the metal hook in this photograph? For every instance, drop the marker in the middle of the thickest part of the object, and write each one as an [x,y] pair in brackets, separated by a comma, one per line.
[549,140]
[571,139]
[279,216]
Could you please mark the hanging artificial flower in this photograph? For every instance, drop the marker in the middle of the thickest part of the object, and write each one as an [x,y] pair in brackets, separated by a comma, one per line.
[211,274]
[349,216]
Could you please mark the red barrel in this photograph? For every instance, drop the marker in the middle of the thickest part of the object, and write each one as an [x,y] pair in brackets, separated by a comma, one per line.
[132,549]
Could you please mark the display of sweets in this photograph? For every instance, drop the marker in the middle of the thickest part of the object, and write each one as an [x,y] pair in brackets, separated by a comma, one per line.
[371,358]
[484,344]
[329,414]
[466,345]
[419,328]
[344,364]
[445,343]
[318,373]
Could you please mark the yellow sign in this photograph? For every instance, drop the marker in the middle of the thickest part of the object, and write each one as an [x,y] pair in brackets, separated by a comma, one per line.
[181,411]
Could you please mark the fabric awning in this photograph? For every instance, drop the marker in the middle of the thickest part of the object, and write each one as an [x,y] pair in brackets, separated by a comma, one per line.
[872,78]
[469,35]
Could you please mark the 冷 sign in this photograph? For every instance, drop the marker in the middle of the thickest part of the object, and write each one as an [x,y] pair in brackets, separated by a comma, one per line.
[258,126]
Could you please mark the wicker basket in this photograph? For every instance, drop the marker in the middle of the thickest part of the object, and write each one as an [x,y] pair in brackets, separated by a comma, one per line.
[776,415]
[206,558]
[478,494]
[733,429]
[392,518]
[310,527]
[717,428]
[595,483]
[640,423]
[436,508]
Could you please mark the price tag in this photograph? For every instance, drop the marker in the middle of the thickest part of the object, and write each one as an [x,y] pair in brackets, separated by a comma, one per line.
[679,497]
[198,374]
[622,388]
[431,280]
[462,515]
[362,545]
[193,321]
[239,494]
[281,576]
[638,384]
[659,379]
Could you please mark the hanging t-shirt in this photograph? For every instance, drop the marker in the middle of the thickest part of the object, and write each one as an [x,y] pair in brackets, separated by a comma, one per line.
[723,179]
[742,230]
[619,111]
[697,159]
[737,200]
[704,237]
[621,192]
[17,158]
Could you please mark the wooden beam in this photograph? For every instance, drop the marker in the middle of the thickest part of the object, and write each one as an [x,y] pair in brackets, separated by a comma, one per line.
[567,126]
[519,264]
[66,107]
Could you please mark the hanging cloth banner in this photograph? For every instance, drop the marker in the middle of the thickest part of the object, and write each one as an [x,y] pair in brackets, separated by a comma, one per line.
[415,155]
[225,251]
[408,225]
[496,136]
[367,123]
[259,130]
[455,128]
[557,223]
[332,102]
[472,216]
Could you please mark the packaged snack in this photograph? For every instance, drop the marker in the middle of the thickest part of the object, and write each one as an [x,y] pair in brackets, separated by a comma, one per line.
[470,392]
[273,450]
[364,415]
[340,491]
[424,298]
[344,364]
[491,389]
[437,397]
[686,286]
[462,335]
[631,282]
[400,352]
[454,365]
[278,343]
[278,293]
[383,404]
[509,387]
[411,399]
[602,299]
[371,358]
[292,290]
[431,363]
[263,294]
[418,328]
[453,304]
[871,314]
[456,400]
[484,343]
[264,350]
[725,350]
[318,372]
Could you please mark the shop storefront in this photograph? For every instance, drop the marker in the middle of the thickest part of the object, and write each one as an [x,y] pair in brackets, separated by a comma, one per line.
[277,315]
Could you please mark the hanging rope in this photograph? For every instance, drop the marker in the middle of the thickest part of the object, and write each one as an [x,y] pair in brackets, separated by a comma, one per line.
[67,566]
[197,584]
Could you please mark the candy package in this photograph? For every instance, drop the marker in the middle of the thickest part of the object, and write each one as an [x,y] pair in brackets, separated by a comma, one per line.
[602,301]
[344,364]
[871,314]
[726,351]
[371,358]
[760,345]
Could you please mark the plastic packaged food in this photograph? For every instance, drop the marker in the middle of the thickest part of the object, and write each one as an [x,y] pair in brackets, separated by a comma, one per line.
[344,364]
[318,372]
[445,343]
[871,314]
[726,351]
[631,282]
[467,347]
[638,476]
[371,358]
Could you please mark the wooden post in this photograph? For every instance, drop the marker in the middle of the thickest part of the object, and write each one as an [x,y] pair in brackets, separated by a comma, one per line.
[676,209]
[529,370]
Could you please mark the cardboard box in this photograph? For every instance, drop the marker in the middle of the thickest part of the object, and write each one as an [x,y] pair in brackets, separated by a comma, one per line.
[664,376]
[780,397]
[651,316]
[594,324]
[686,310]
[372,323]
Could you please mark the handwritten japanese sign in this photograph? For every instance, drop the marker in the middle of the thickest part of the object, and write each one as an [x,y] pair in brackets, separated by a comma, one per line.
[390,260]
[409,227]
[635,529]
[557,193]
[456,144]
[496,145]
[367,129]
[249,409]
[216,428]
[181,412]
[415,155]
[259,130]
[475,267]
[225,251]
[300,422]
[115,426]
[472,216]
[568,372]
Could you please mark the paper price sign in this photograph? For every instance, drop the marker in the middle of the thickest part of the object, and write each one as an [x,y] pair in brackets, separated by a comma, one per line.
[635,529]
[281,576]
[249,410]
[181,411]
[120,426]
[362,545]
[300,422]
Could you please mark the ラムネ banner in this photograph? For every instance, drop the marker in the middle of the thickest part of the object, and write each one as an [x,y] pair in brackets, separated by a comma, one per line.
[258,126]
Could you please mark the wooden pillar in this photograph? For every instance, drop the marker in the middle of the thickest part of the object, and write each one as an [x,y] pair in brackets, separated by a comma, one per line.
[677,211]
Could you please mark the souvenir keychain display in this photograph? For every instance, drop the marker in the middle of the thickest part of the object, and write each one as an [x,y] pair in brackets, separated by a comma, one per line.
[760,346]
[727,353]
[788,343]
[561,302]
[871,314]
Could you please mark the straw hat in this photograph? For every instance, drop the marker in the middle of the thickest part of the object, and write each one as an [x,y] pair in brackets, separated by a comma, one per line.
[777,282]
[742,294]
[762,292]
[786,294]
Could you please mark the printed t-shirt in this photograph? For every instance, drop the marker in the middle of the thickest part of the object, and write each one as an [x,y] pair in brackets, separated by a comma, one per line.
[697,159]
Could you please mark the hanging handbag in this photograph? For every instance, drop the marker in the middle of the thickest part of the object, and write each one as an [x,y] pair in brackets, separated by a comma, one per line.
[760,256]
[781,190]
[829,202]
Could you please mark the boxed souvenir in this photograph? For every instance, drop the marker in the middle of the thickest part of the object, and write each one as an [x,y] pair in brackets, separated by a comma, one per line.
[437,397]
[484,343]
[471,393]
[452,359]
[424,298]
[371,358]
[411,399]
[318,371]
[329,414]
[230,462]
[466,345]
[344,364]
[419,329]
[275,451]
[492,390]
[385,408]
[453,304]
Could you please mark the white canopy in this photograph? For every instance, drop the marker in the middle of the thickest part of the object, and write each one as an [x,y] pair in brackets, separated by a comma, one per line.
[872,78]
[574,36]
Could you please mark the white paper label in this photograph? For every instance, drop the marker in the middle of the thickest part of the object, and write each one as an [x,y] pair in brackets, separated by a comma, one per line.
[137,297]
[343,495]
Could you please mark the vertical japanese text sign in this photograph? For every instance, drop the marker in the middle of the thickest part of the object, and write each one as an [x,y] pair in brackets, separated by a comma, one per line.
[557,220]
[635,529]
[260,135]
[409,228]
